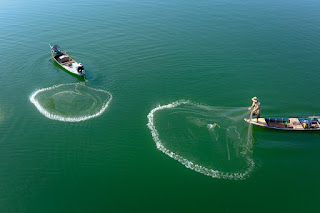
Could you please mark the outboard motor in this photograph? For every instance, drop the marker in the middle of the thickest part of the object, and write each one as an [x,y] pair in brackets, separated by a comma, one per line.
[80,68]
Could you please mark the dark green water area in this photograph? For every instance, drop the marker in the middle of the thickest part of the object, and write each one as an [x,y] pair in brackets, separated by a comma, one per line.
[158,125]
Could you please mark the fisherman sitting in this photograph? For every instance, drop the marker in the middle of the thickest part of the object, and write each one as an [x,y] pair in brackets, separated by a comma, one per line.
[256,108]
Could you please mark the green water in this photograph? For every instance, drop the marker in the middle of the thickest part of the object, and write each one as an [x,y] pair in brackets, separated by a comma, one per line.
[158,125]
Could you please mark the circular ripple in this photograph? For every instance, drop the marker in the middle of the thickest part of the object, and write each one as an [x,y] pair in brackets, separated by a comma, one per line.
[227,142]
[72,102]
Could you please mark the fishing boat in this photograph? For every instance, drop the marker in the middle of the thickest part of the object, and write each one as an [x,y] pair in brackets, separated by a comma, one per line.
[294,124]
[66,61]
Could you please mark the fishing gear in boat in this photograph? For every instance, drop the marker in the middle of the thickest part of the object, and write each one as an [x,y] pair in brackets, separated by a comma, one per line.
[66,61]
[295,124]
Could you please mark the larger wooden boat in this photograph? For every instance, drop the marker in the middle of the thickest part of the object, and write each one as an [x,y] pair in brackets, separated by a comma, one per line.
[66,62]
[295,124]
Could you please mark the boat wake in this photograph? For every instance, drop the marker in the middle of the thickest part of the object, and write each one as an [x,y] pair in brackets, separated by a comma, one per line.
[210,140]
[72,102]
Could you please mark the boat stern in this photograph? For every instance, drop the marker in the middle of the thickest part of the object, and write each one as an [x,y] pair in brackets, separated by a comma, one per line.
[261,122]
[80,69]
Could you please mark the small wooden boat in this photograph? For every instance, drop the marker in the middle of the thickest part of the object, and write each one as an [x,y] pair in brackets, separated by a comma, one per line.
[66,62]
[295,124]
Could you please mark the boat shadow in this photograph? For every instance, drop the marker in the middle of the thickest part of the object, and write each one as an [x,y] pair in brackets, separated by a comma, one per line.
[58,68]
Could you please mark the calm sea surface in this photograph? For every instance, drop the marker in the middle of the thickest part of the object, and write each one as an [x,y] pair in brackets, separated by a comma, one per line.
[158,125]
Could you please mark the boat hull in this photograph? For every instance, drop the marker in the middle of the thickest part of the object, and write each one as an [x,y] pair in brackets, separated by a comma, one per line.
[69,65]
[289,124]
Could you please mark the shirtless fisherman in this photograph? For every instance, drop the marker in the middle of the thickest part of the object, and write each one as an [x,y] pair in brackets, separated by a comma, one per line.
[256,108]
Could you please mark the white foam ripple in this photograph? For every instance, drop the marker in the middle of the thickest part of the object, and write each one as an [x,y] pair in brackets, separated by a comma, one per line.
[187,163]
[52,116]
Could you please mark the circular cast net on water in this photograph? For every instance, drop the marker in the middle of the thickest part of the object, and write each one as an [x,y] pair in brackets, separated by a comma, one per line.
[213,141]
[71,102]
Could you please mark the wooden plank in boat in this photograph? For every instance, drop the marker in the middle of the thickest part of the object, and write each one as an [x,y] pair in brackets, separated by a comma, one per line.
[261,122]
[296,124]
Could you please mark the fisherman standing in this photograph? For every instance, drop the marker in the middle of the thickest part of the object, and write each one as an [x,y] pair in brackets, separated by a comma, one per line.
[256,108]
